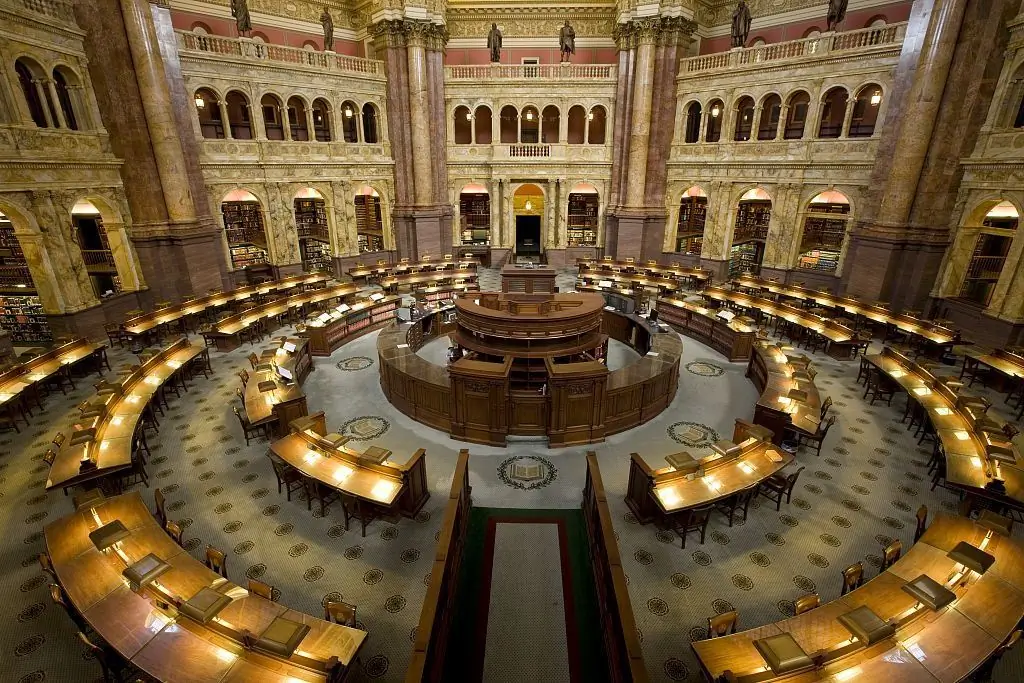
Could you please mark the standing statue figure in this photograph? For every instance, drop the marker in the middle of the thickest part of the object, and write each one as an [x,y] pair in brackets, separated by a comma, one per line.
[836,13]
[494,43]
[740,24]
[567,41]
[328,23]
[240,11]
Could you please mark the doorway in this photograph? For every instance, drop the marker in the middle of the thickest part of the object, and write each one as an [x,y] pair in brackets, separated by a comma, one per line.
[528,235]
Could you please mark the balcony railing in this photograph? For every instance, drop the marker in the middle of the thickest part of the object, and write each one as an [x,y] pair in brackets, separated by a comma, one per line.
[985,267]
[529,151]
[98,257]
[821,46]
[477,72]
[244,48]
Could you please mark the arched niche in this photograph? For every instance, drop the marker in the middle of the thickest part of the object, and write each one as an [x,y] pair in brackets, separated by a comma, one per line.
[474,215]
[866,105]
[528,204]
[584,212]
[463,125]
[244,229]
[823,234]
[98,229]
[753,214]
[369,220]
[833,111]
[693,212]
[312,227]
[482,125]
[211,123]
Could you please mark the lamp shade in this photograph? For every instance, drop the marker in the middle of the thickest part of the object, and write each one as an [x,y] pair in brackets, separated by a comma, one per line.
[972,557]
[146,570]
[930,592]
[865,625]
[108,534]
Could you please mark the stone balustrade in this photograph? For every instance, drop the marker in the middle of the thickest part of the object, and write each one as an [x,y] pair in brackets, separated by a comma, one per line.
[563,71]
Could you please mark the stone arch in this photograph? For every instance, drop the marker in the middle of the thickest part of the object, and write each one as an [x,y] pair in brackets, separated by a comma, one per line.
[115,232]
[30,238]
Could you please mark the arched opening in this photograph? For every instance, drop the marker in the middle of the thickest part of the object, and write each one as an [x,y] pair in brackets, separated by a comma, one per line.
[768,125]
[824,232]
[758,42]
[482,125]
[349,121]
[597,122]
[796,116]
[744,118]
[752,217]
[877,21]
[314,235]
[833,111]
[693,214]
[297,118]
[200,28]
[584,203]
[272,123]
[21,310]
[551,119]
[463,126]
[238,115]
[370,124]
[529,126]
[713,129]
[577,125]
[208,110]
[66,83]
[989,255]
[475,215]
[92,240]
[812,32]
[243,225]
[30,77]
[865,111]
[692,126]
[321,120]
[508,125]
[369,220]
[528,207]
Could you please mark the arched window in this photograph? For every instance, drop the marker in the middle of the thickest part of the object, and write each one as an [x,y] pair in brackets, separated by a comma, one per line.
[482,125]
[201,28]
[771,109]
[577,132]
[753,215]
[550,121]
[812,32]
[509,125]
[238,115]
[713,129]
[597,121]
[208,110]
[821,243]
[463,126]
[833,111]
[693,213]
[297,118]
[692,128]
[243,226]
[349,121]
[744,118]
[529,126]
[64,80]
[989,255]
[796,116]
[865,111]
[321,120]
[370,124]
[272,122]
[31,87]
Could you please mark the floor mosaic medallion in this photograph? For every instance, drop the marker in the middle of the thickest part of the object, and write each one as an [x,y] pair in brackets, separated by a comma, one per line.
[693,434]
[364,428]
[354,363]
[527,472]
[704,369]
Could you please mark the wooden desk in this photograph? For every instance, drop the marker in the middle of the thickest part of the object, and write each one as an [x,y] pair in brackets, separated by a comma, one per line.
[146,627]
[624,282]
[286,401]
[928,646]
[732,338]
[694,276]
[528,279]
[111,449]
[20,381]
[1008,366]
[333,329]
[413,278]
[772,373]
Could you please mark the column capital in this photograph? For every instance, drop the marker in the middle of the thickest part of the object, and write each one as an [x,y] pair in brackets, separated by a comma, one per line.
[650,30]
[400,32]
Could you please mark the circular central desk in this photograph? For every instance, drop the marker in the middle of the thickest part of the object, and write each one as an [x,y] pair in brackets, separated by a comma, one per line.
[530,369]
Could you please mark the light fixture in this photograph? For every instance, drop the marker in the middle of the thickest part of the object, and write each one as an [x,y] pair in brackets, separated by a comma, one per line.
[200,102]
[469,116]
[529,205]
[590,114]
[715,111]
[876,98]
[529,115]
[348,112]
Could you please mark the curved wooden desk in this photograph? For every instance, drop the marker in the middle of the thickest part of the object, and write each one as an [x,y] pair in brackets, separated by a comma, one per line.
[777,376]
[943,645]
[23,380]
[698,276]
[411,278]
[271,400]
[731,337]
[146,627]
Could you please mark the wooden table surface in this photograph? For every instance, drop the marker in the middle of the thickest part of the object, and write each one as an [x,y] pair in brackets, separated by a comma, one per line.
[805,415]
[1009,364]
[928,646]
[156,639]
[236,323]
[18,378]
[676,271]
[259,405]
[668,284]
[418,277]
[832,330]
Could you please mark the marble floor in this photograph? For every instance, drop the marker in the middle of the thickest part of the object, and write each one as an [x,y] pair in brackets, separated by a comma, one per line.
[861,492]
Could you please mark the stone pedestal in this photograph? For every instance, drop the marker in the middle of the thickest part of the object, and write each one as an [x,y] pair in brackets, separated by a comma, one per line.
[892,266]
[639,234]
[423,231]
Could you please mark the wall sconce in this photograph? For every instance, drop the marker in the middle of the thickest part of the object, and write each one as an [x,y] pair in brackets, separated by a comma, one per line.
[590,115]
[715,111]
[529,116]
[876,98]
[348,113]
[200,102]
[529,205]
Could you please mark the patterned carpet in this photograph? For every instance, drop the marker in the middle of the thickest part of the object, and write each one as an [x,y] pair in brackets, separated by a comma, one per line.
[862,491]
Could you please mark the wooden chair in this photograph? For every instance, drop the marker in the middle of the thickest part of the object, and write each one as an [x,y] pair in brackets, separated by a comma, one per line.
[776,486]
[115,334]
[818,438]
[340,613]
[922,522]
[264,590]
[254,360]
[825,408]
[47,566]
[879,387]
[806,603]
[244,376]
[865,369]
[891,554]
[57,595]
[133,475]
[59,440]
[723,624]
[175,531]
[853,577]
[984,673]
[316,490]
[738,502]
[250,430]
[161,507]
[49,456]
[287,476]
[217,561]
[113,665]
[357,508]
[694,519]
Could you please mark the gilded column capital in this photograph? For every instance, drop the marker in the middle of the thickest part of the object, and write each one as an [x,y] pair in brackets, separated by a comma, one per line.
[390,31]
[676,31]
[648,30]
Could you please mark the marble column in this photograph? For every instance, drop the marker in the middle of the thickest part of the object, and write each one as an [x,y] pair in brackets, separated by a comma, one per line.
[419,111]
[624,42]
[43,100]
[640,128]
[57,109]
[286,122]
[780,130]
[225,120]
[310,130]
[844,132]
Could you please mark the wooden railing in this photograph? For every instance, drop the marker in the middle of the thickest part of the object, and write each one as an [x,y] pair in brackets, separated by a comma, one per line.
[243,48]
[428,651]
[821,46]
[618,627]
[522,71]
[98,257]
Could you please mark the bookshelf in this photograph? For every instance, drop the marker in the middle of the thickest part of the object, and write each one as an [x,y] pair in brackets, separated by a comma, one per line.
[334,328]
[316,255]
[822,240]
[752,220]
[693,213]
[745,258]
[369,224]
[311,219]
[21,311]
[475,214]
[247,239]
[582,220]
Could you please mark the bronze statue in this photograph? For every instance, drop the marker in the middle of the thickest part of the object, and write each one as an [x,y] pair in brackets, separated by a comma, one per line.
[240,11]
[567,41]
[836,13]
[328,23]
[740,24]
[494,43]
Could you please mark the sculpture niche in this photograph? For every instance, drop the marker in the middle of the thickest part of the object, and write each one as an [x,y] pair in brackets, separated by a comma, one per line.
[494,43]
[740,24]
[567,41]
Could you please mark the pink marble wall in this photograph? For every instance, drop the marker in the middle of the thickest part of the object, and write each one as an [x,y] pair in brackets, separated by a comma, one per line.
[457,56]
[217,26]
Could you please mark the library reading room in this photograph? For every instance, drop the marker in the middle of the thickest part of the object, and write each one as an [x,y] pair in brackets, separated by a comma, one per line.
[475,341]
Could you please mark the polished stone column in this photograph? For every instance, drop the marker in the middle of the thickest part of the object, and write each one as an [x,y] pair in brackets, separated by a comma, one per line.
[780,131]
[643,93]
[57,109]
[225,120]
[419,111]
[43,99]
